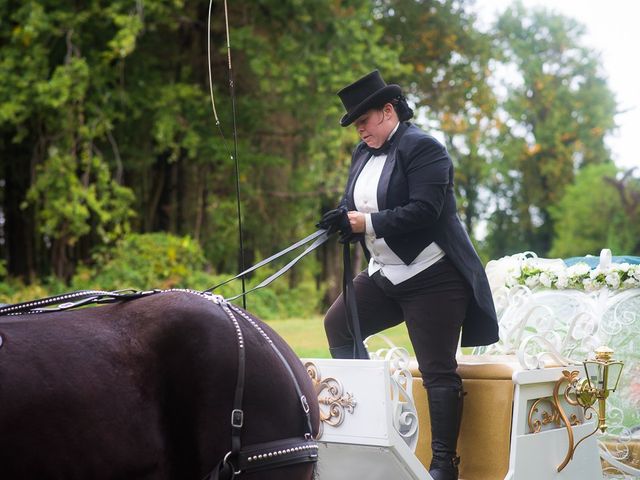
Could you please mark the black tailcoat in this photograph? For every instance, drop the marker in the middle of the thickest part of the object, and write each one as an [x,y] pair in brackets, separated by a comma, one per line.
[417,206]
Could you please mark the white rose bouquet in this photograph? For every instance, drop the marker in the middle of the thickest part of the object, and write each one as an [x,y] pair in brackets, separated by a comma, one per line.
[538,273]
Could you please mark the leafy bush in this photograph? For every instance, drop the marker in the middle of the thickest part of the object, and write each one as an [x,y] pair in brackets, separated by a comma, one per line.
[160,260]
[15,291]
[275,301]
[142,262]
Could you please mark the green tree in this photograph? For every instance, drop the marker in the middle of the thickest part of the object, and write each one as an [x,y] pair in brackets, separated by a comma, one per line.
[59,195]
[586,223]
[448,81]
[105,111]
[299,54]
[557,111]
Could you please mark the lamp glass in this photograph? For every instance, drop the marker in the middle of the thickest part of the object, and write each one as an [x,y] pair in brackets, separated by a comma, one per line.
[613,376]
[595,374]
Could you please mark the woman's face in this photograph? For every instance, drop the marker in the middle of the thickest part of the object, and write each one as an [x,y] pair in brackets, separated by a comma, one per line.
[374,126]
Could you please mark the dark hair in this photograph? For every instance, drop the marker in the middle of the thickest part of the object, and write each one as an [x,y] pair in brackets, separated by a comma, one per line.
[401,107]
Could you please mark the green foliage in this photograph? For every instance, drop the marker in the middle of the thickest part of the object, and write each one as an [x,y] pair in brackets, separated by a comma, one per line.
[586,223]
[178,112]
[299,54]
[279,299]
[15,290]
[68,202]
[142,261]
[448,79]
[105,111]
[555,118]
[56,70]
[159,260]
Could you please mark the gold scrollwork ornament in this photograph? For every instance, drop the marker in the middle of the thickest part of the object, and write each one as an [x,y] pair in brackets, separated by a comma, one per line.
[332,398]
[575,393]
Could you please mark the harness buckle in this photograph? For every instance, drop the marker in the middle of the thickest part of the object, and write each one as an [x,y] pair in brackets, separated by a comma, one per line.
[305,404]
[237,418]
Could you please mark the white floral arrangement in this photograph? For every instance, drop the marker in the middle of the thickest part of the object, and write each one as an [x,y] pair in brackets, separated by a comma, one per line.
[533,272]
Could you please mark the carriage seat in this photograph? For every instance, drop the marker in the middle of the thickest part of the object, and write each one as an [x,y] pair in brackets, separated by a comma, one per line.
[485,433]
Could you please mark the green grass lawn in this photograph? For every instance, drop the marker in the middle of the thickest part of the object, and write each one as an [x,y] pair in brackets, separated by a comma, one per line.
[306,336]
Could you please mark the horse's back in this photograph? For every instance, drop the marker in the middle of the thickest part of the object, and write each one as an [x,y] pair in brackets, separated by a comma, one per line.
[140,389]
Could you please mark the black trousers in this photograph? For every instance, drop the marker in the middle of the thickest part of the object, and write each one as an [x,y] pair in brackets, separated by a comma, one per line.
[433,304]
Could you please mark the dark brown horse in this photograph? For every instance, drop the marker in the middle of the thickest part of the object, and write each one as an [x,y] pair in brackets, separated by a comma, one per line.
[144,389]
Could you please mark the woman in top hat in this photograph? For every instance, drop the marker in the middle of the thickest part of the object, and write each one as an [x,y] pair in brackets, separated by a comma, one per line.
[423,269]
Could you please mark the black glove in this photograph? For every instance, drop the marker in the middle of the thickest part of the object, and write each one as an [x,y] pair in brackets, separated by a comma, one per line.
[336,220]
[349,237]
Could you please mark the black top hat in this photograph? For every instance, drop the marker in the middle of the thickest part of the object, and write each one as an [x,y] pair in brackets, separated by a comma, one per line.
[368,92]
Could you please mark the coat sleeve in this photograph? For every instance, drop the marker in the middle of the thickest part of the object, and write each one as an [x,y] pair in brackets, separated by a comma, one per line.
[427,172]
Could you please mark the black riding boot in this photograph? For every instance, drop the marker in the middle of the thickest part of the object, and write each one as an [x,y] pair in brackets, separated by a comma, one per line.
[344,351]
[445,410]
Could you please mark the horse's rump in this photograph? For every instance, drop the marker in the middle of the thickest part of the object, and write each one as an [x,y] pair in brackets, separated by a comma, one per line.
[140,389]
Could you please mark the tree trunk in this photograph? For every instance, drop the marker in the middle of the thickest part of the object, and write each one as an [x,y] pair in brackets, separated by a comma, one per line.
[154,203]
[19,223]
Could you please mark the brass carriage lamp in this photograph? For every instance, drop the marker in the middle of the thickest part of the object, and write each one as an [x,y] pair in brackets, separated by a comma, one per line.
[603,374]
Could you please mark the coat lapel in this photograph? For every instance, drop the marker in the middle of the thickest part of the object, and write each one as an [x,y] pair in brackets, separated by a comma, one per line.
[358,165]
[387,170]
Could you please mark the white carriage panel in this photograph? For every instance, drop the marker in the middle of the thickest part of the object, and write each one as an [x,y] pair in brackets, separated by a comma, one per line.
[532,385]
[538,455]
[542,375]
[368,382]
[351,461]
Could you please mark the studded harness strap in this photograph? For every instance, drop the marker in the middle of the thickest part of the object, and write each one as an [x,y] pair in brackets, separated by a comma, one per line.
[267,455]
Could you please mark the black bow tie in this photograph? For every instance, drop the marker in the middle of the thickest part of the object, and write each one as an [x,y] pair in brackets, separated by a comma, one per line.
[383,150]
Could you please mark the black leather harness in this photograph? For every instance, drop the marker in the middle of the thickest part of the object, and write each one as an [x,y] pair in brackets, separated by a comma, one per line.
[261,456]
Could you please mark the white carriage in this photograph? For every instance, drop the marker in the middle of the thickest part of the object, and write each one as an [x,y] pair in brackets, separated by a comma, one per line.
[375,415]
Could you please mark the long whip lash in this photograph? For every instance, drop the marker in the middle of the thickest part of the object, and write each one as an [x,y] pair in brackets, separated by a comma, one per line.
[233,156]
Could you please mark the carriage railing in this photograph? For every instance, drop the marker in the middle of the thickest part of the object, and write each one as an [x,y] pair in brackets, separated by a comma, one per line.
[405,416]
[553,320]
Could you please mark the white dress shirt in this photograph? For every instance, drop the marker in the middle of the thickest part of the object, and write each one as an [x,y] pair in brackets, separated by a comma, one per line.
[382,257]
